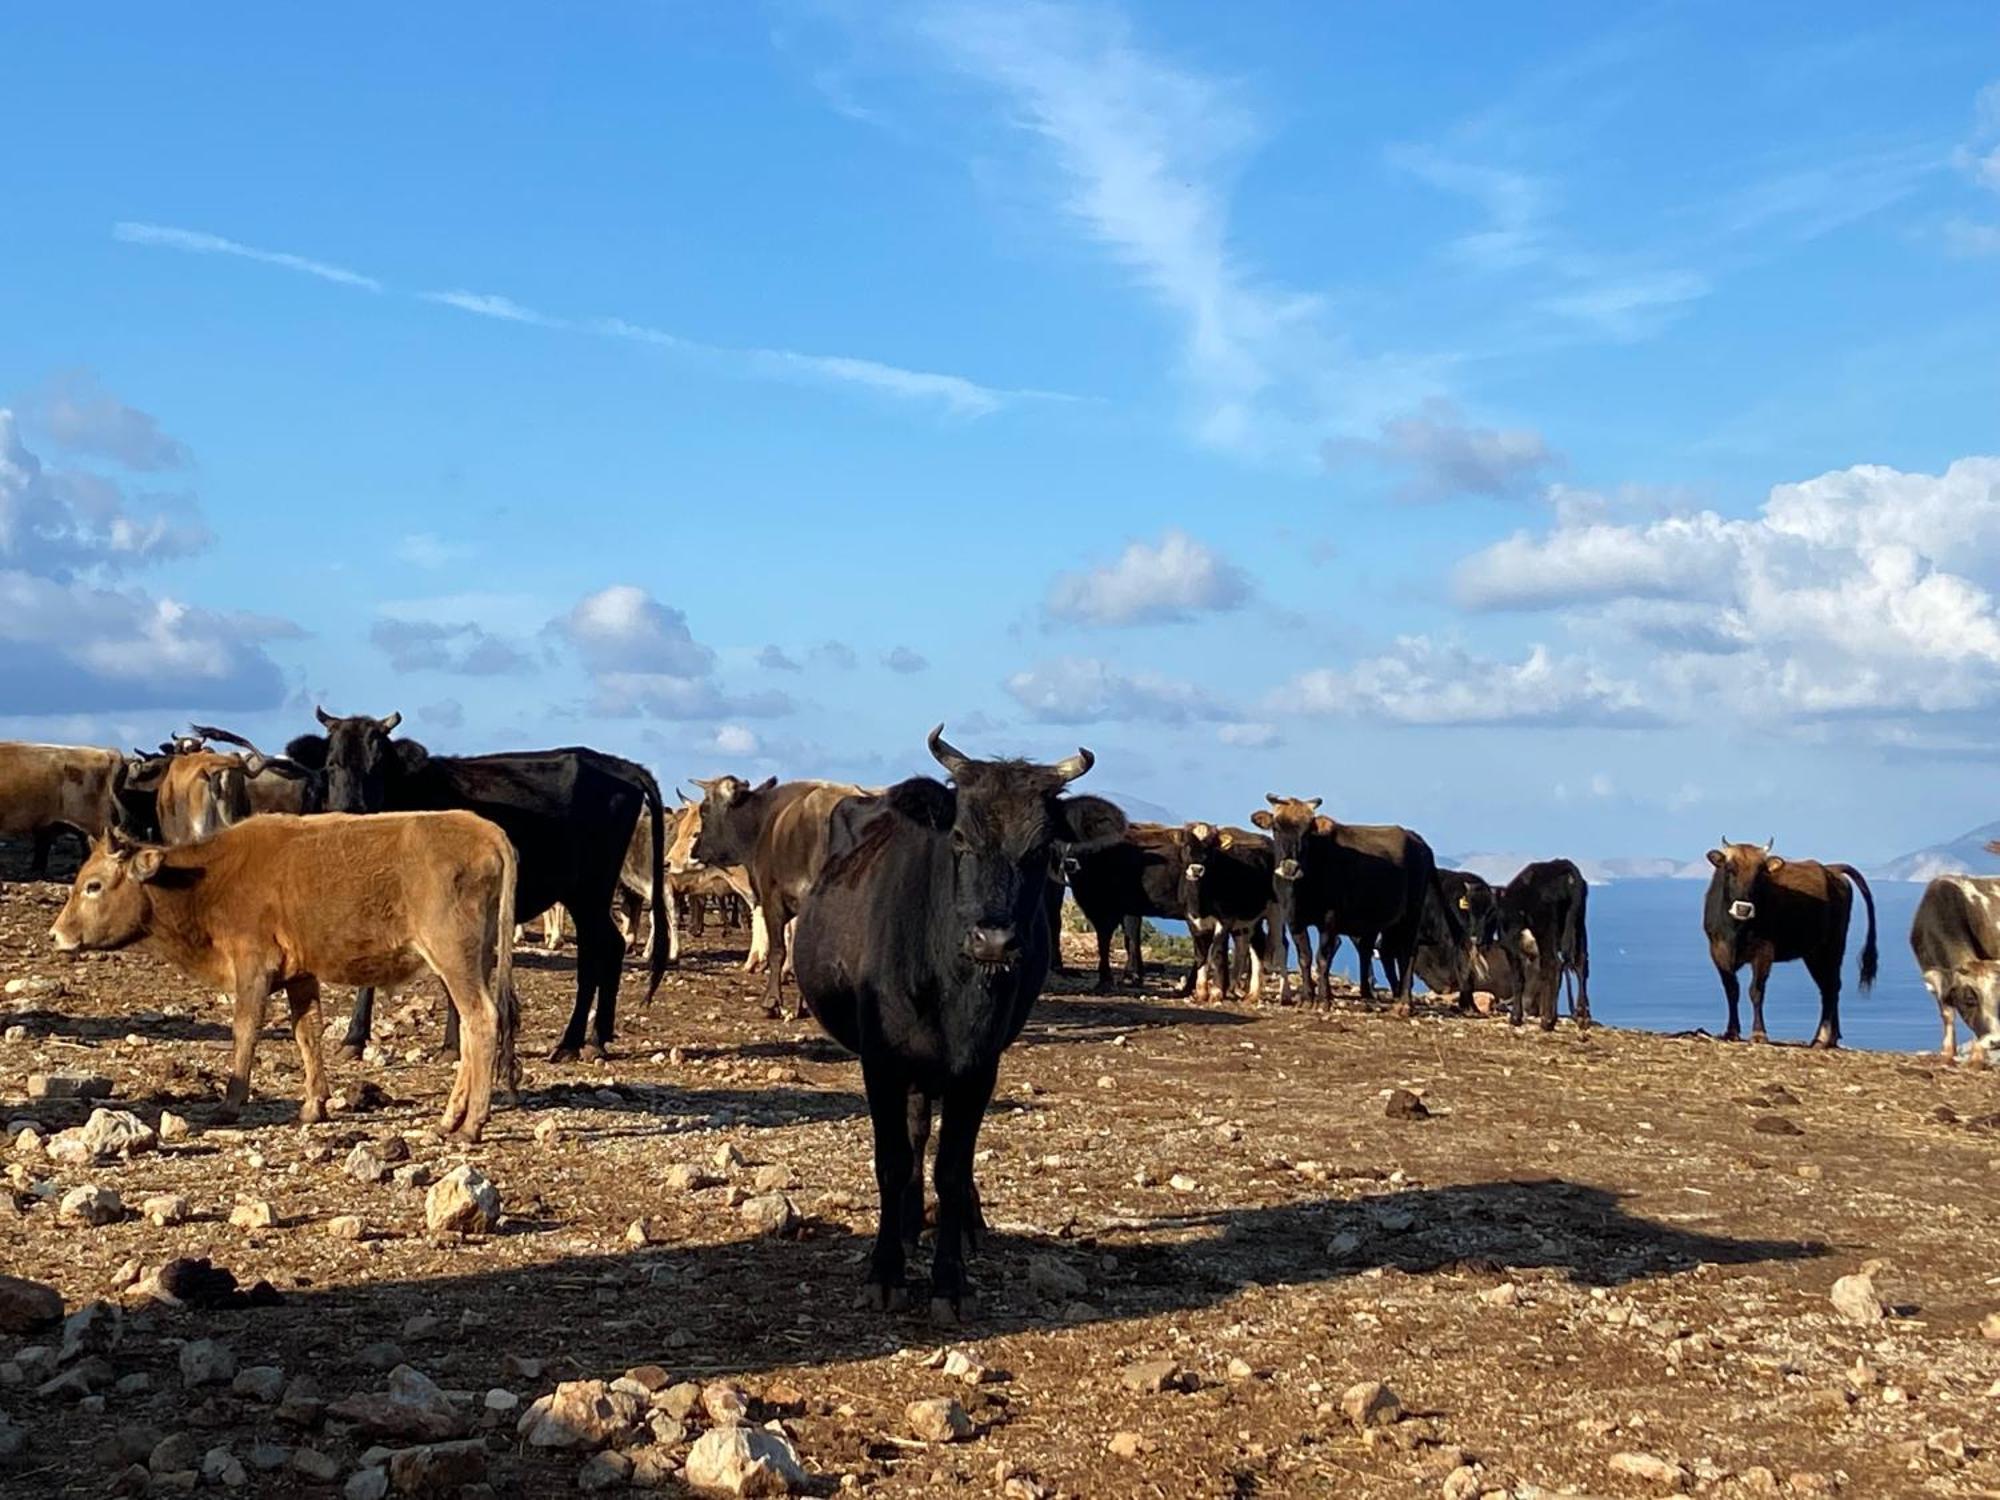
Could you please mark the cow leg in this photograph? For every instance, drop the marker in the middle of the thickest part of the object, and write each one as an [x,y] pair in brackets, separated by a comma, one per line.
[760,940]
[913,1191]
[610,970]
[552,928]
[1731,992]
[1203,937]
[965,1102]
[1323,965]
[889,1113]
[38,867]
[449,1051]
[569,1046]
[1939,984]
[245,1022]
[1053,905]
[1103,986]
[1302,945]
[1364,960]
[302,999]
[1135,952]
[468,980]
[360,1022]
[1826,975]
[1549,984]
[778,922]
[1760,973]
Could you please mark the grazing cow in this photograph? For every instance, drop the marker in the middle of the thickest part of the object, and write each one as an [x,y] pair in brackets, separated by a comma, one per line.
[1228,876]
[1121,883]
[1480,962]
[922,948]
[1763,909]
[777,833]
[1956,939]
[1539,919]
[570,814]
[200,792]
[291,903]
[1367,882]
[45,789]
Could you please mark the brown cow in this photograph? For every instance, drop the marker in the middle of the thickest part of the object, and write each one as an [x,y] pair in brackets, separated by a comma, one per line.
[1762,909]
[47,788]
[289,903]
[778,835]
[688,879]
[201,792]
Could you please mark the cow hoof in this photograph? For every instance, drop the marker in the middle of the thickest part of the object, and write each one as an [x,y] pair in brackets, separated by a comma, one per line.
[596,1052]
[562,1054]
[350,1051]
[448,1054]
[312,1112]
[1401,1010]
[1759,1038]
[949,1312]
[880,1298]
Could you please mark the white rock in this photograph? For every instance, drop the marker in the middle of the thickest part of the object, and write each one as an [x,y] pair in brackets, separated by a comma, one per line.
[90,1204]
[745,1461]
[1650,1468]
[206,1362]
[462,1201]
[1856,1298]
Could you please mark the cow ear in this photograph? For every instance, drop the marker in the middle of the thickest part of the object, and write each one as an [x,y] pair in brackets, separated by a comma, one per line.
[146,863]
[1774,863]
[1715,858]
[1228,839]
[1323,826]
[1262,818]
[410,756]
[766,784]
[1087,822]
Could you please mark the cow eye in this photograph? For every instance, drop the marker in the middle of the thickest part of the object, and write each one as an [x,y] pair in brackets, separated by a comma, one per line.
[959,843]
[93,888]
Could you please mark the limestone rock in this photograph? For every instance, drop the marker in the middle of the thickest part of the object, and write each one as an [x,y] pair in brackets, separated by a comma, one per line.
[1371,1404]
[744,1461]
[206,1362]
[26,1306]
[463,1201]
[1650,1468]
[413,1407]
[438,1469]
[90,1204]
[937,1420]
[1857,1299]
[583,1414]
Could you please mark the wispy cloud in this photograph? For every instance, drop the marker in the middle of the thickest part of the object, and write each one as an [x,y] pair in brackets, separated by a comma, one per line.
[197,242]
[487,305]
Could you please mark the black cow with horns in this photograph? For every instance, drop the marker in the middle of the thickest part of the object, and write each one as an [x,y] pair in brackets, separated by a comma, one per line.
[569,813]
[922,948]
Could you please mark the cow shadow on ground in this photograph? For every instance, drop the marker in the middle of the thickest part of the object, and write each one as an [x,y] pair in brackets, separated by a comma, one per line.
[747,1305]
[115,1028]
[1079,1018]
[655,1109]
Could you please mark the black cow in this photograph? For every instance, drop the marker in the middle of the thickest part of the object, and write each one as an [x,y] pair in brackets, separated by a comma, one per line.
[1477,960]
[922,947]
[1230,900]
[1538,919]
[570,814]
[1129,879]
[1763,909]
[1367,882]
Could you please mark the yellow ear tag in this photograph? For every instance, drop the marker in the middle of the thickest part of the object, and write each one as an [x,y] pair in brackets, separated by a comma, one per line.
[1465,903]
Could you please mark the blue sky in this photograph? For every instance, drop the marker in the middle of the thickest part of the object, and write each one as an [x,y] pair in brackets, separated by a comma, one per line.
[1558,429]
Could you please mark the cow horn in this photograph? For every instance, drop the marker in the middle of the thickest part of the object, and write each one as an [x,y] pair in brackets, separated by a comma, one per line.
[1314,802]
[1073,767]
[1769,842]
[389,724]
[943,753]
[706,785]
[325,719]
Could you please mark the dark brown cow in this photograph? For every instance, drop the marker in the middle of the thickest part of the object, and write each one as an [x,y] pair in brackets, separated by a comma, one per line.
[1763,909]
[1540,919]
[290,903]
[45,789]
[1228,877]
[1140,874]
[777,833]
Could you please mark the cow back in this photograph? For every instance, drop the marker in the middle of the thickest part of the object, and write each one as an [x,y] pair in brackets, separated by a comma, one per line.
[46,786]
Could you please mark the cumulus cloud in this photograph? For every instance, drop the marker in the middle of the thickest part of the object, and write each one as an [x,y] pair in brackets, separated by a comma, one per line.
[1431,683]
[1444,455]
[1173,579]
[461,648]
[774,659]
[644,661]
[904,659]
[1081,690]
[837,656]
[735,739]
[79,415]
[55,520]
[1860,591]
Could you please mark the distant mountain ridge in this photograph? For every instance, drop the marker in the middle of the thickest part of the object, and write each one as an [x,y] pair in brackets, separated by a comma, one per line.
[1964,855]
[1499,867]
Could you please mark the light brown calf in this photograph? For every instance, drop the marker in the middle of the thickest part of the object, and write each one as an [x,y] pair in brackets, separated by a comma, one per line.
[282,902]
[46,788]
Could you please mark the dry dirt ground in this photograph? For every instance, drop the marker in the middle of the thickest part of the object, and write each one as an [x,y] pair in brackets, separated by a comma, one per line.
[1593,1246]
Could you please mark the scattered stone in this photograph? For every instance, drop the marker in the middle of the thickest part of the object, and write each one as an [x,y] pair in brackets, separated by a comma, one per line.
[364,1163]
[1180,1182]
[413,1407]
[366,1484]
[1989,1326]
[346,1227]
[769,1213]
[1807,1482]
[1504,1295]
[1856,1298]
[609,1470]
[220,1466]
[264,1383]
[679,1400]
[1371,1404]
[206,1362]
[315,1465]
[463,1201]
[1054,1278]
[68,1086]
[963,1368]
[35,986]
[648,1231]
[253,1213]
[501,1401]
[649,1378]
[1149,1377]
[1240,1369]
[938,1420]
[26,1306]
[724,1403]
[685,1177]
[90,1204]
[1404,1105]
[94,1328]
[108,1134]
[438,1468]
[1650,1468]
[1128,1445]
[383,1354]
[726,1157]
[1776,1125]
[585,1414]
[745,1461]
[1466,1482]
[268,1458]
[774,1178]
[412,1175]
[173,1455]
[163,1209]
[174,1127]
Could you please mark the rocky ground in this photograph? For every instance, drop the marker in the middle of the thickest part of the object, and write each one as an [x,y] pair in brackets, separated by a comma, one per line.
[1600,1265]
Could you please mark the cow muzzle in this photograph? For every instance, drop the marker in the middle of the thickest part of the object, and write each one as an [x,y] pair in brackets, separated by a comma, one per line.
[64,942]
[1288,869]
[1742,911]
[1195,872]
[992,947]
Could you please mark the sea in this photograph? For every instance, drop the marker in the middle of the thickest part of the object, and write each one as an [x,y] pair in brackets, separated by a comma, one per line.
[1649,969]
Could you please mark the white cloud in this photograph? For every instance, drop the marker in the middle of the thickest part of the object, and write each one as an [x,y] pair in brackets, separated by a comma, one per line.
[1429,683]
[835,656]
[81,416]
[735,739]
[623,629]
[1446,456]
[489,305]
[1150,583]
[1080,690]
[1147,149]
[1863,591]
[460,648]
[198,242]
[773,659]
[52,519]
[903,659]
[1250,735]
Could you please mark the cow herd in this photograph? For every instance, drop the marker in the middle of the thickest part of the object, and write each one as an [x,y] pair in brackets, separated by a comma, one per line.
[916,922]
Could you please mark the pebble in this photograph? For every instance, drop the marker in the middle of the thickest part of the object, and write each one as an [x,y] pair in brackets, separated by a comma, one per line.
[253,1213]
[90,1204]
[775,1177]
[1650,1468]
[686,1177]
[220,1466]
[346,1227]
[1180,1182]
[1989,1326]
[726,1157]
[501,1400]
[1466,1482]
[94,1328]
[963,1368]
[769,1213]
[463,1201]
[1856,1298]
[366,1484]
[438,1468]
[604,1471]
[1053,1277]
[206,1362]
[163,1209]
[1127,1445]
[1371,1404]
[650,1231]
[174,1127]
[107,1135]
[1149,1377]
[1504,1295]
[724,1403]
[1404,1105]
[265,1383]
[364,1164]
[939,1419]
[315,1465]
[583,1414]
[68,1086]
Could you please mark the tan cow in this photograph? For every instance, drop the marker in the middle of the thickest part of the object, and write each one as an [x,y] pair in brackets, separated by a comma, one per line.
[281,902]
[47,788]
[200,793]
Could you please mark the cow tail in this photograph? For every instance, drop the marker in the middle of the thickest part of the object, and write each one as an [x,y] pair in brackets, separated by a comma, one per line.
[1869,957]
[1577,941]
[662,936]
[507,1005]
